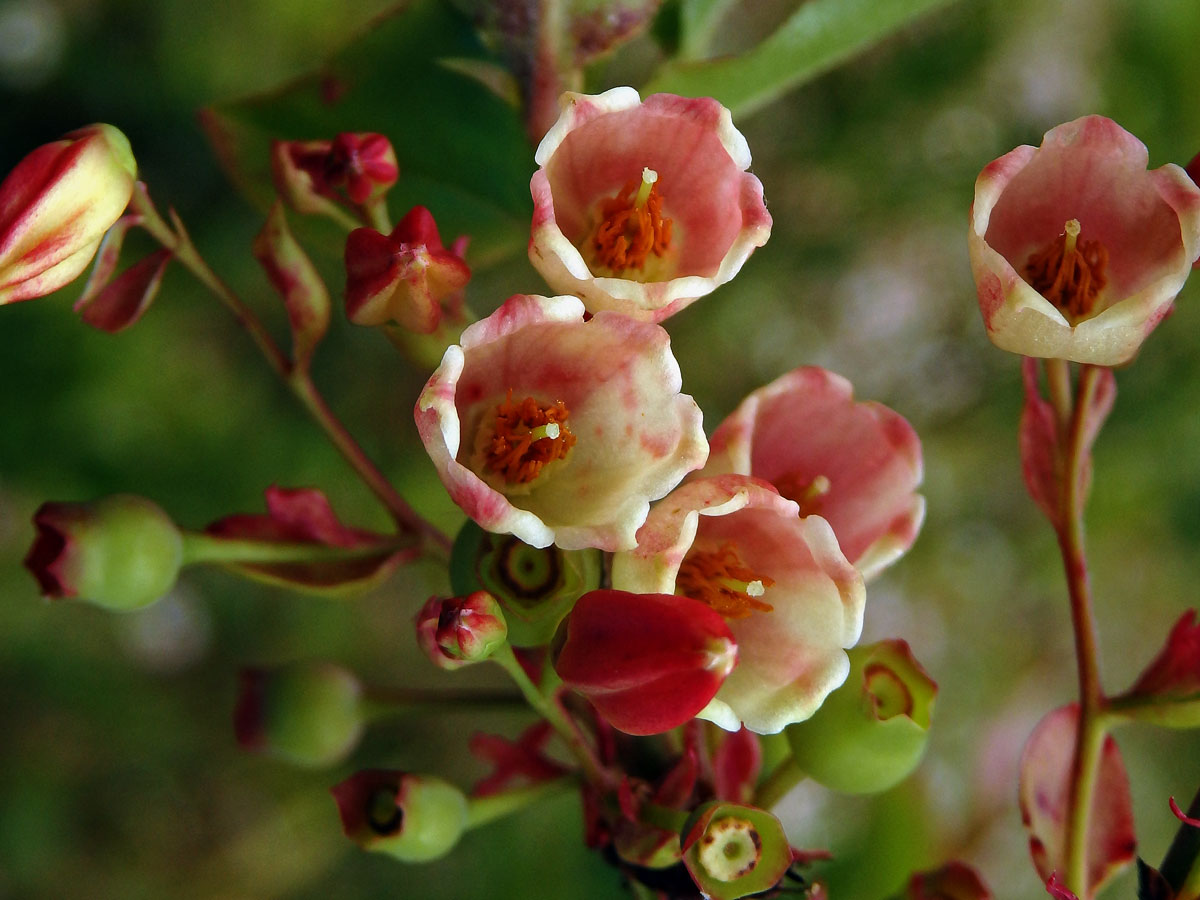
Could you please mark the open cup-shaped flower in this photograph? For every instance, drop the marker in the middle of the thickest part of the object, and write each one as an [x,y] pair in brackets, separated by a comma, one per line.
[792,600]
[643,206]
[1077,250]
[857,465]
[559,430]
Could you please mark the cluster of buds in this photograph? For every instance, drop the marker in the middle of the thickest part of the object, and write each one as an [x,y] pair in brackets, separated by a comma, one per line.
[632,576]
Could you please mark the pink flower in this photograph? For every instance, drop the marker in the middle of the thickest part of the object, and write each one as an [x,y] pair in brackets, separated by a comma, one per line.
[403,276]
[647,662]
[791,599]
[560,430]
[857,465]
[643,207]
[1077,250]
[55,207]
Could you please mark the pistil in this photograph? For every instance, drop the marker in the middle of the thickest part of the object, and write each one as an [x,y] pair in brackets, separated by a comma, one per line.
[809,493]
[720,579]
[631,226]
[1070,273]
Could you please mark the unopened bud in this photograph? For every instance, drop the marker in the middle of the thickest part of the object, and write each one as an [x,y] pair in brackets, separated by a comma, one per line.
[871,732]
[307,713]
[458,631]
[121,552]
[647,662]
[55,207]
[413,818]
[401,277]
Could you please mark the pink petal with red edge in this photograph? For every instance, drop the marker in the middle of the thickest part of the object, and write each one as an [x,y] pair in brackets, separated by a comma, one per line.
[647,662]
[1176,669]
[1044,794]
[737,763]
[1038,439]
[790,657]
[635,435]
[1093,171]
[806,426]
[304,516]
[127,297]
[954,881]
[602,142]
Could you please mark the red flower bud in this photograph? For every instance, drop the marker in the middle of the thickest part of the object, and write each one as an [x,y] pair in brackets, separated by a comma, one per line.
[55,207]
[311,174]
[403,276]
[647,662]
[458,631]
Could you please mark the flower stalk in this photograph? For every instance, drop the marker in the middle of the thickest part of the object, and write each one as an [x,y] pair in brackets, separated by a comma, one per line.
[553,713]
[175,238]
[1092,720]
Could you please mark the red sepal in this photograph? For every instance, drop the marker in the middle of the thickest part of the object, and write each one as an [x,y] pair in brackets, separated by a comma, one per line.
[647,662]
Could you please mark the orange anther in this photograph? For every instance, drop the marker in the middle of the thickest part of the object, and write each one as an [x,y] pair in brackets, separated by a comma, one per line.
[631,227]
[526,436]
[1069,273]
[720,579]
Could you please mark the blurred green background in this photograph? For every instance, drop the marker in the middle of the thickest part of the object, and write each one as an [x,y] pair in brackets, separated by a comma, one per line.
[119,777]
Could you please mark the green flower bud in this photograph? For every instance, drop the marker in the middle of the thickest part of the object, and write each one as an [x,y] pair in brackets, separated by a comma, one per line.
[121,552]
[307,713]
[535,587]
[871,732]
[732,850]
[414,818]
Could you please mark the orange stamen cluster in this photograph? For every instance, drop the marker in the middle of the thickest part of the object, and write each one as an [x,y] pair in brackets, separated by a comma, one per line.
[514,451]
[630,228]
[1069,273]
[720,579]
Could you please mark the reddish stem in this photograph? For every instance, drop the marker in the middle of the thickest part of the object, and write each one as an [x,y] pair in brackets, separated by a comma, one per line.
[1092,731]
[175,238]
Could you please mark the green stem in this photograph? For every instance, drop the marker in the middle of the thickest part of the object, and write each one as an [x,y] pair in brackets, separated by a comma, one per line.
[206,548]
[1058,382]
[1092,730]
[481,810]
[553,713]
[175,238]
[785,776]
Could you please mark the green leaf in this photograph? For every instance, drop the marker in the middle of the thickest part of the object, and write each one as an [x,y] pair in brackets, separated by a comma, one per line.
[818,36]
[462,150]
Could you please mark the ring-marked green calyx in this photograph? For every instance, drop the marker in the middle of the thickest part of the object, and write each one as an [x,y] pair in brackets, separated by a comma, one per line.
[871,732]
[536,587]
[732,850]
